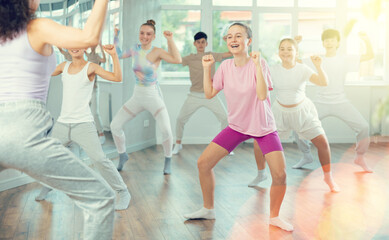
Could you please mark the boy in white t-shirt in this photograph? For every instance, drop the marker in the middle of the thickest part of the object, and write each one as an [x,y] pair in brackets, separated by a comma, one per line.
[332,101]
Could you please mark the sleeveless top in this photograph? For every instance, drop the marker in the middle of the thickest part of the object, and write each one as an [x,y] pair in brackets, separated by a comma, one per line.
[25,74]
[77,93]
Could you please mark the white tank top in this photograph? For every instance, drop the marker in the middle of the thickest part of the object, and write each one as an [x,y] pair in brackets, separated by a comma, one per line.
[24,73]
[77,92]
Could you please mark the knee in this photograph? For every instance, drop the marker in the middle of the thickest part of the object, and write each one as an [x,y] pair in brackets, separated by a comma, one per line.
[180,120]
[115,128]
[203,166]
[279,178]
[323,144]
[364,130]
[167,134]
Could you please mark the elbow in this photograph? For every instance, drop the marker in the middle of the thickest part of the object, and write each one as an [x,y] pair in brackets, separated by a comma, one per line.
[119,78]
[91,39]
[177,60]
[208,95]
[262,97]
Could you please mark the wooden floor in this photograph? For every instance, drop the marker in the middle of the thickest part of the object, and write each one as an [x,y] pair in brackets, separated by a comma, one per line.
[359,211]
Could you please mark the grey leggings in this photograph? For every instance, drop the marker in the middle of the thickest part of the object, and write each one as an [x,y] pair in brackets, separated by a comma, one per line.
[25,146]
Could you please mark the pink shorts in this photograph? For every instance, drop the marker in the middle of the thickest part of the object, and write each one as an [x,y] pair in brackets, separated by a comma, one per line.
[229,139]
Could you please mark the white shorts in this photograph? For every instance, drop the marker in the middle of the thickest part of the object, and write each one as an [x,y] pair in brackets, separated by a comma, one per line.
[303,119]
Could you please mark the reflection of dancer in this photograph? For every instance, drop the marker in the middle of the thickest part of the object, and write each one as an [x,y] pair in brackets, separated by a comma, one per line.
[95,100]
[25,122]
[75,123]
[332,101]
[65,54]
[246,83]
[293,110]
[196,98]
[147,94]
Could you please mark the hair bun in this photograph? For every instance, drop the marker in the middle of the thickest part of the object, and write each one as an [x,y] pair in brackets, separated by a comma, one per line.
[151,21]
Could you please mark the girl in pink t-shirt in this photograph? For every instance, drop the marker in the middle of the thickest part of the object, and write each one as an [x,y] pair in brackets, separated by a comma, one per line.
[246,83]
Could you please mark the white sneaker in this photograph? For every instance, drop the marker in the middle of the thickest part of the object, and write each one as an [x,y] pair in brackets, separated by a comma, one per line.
[177,148]
[231,153]
[122,200]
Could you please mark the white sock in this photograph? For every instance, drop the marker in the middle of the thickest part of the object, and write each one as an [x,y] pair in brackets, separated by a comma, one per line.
[359,160]
[203,213]
[278,222]
[167,168]
[330,181]
[43,194]
[261,176]
[307,158]
[122,200]
[177,148]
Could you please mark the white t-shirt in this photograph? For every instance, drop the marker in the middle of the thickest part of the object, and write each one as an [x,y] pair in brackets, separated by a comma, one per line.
[336,69]
[289,84]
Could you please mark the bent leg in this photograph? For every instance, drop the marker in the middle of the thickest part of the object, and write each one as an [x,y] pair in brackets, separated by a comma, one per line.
[261,164]
[190,106]
[212,154]
[324,153]
[84,134]
[276,162]
[26,147]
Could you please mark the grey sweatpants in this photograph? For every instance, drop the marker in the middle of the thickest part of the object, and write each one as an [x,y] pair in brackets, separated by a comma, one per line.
[25,146]
[84,134]
[194,101]
[95,107]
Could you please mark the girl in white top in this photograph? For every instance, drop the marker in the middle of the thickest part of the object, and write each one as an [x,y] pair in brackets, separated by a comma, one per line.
[76,123]
[293,110]
[26,63]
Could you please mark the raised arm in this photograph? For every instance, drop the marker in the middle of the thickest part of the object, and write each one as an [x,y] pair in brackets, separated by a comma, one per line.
[121,54]
[209,91]
[226,55]
[369,54]
[261,88]
[116,75]
[172,55]
[320,78]
[44,32]
[59,69]
[298,40]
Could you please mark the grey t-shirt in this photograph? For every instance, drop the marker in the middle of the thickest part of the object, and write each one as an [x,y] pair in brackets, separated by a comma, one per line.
[193,61]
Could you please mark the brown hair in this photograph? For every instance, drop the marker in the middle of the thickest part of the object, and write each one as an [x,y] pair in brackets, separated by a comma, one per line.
[247,28]
[150,23]
[292,41]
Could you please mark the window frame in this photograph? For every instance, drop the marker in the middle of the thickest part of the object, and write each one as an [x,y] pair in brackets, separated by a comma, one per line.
[340,11]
